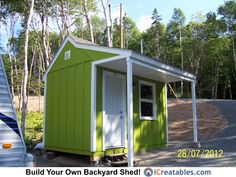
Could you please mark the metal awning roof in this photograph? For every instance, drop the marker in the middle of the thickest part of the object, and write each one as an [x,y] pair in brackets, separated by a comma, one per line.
[144,67]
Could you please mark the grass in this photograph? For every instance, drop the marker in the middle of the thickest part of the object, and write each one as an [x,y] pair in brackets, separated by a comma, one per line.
[34,126]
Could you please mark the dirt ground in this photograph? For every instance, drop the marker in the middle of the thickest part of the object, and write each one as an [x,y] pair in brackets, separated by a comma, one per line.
[210,124]
[35,103]
[210,120]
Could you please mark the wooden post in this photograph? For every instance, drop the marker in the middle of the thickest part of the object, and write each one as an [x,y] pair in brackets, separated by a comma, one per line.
[194,112]
[130,111]
[121,28]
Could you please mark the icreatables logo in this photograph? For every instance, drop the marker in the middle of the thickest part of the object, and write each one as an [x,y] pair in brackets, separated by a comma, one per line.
[148,172]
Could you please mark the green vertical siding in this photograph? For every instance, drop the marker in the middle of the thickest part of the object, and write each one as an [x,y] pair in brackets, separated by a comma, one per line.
[68,109]
[150,133]
[147,133]
[99,110]
[68,101]
[79,107]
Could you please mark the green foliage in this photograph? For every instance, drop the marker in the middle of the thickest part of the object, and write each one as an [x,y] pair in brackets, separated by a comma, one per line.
[34,126]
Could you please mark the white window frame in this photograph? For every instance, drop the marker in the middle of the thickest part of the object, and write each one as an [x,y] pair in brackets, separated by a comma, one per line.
[153,101]
[67,55]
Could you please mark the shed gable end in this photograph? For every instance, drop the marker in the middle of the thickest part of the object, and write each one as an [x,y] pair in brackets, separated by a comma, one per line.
[77,56]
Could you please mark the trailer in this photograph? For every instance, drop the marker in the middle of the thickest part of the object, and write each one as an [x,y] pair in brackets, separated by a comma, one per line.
[12,145]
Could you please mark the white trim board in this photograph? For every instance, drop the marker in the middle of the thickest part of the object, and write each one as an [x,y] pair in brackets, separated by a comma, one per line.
[44,112]
[93,107]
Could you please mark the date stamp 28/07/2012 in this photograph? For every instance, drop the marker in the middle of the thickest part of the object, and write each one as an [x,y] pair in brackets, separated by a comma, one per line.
[200,153]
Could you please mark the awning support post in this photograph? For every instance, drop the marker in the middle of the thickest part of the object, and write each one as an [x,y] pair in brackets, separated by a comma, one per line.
[194,112]
[130,111]
[167,121]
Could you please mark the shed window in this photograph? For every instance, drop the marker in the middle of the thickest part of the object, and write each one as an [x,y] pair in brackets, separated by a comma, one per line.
[67,55]
[147,100]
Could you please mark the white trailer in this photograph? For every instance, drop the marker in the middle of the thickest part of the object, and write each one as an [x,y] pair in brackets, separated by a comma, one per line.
[12,145]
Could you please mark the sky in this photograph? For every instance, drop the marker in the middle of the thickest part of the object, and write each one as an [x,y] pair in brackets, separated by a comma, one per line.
[141,10]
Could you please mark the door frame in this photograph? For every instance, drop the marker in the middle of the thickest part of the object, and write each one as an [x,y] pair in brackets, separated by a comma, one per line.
[123,122]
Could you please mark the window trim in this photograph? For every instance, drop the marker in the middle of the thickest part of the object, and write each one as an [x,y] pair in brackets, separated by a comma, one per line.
[153,101]
[67,55]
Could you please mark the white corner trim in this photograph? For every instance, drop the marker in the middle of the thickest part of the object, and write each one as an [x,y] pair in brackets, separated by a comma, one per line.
[93,107]
[167,121]
[44,112]
[103,111]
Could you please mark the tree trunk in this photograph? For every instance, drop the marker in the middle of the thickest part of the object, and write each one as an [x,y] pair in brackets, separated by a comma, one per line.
[11,71]
[9,53]
[230,91]
[224,92]
[105,8]
[85,8]
[182,60]
[111,23]
[25,69]
[44,20]
[18,88]
[62,21]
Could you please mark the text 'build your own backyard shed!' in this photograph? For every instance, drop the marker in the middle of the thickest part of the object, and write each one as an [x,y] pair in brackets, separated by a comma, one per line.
[102,100]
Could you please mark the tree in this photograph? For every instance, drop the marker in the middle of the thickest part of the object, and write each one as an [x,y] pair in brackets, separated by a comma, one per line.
[43,8]
[228,13]
[28,18]
[107,14]
[88,5]
[178,20]
[153,36]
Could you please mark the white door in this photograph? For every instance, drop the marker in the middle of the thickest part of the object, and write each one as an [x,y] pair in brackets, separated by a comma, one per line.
[113,110]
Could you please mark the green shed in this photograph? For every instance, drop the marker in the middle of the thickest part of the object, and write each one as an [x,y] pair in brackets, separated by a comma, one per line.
[101,100]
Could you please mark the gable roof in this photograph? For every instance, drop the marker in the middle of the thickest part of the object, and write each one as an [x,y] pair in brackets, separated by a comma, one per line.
[84,44]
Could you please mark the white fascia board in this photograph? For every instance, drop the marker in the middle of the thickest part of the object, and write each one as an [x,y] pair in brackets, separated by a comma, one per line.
[99,48]
[119,57]
[87,47]
[55,57]
[159,69]
[163,66]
